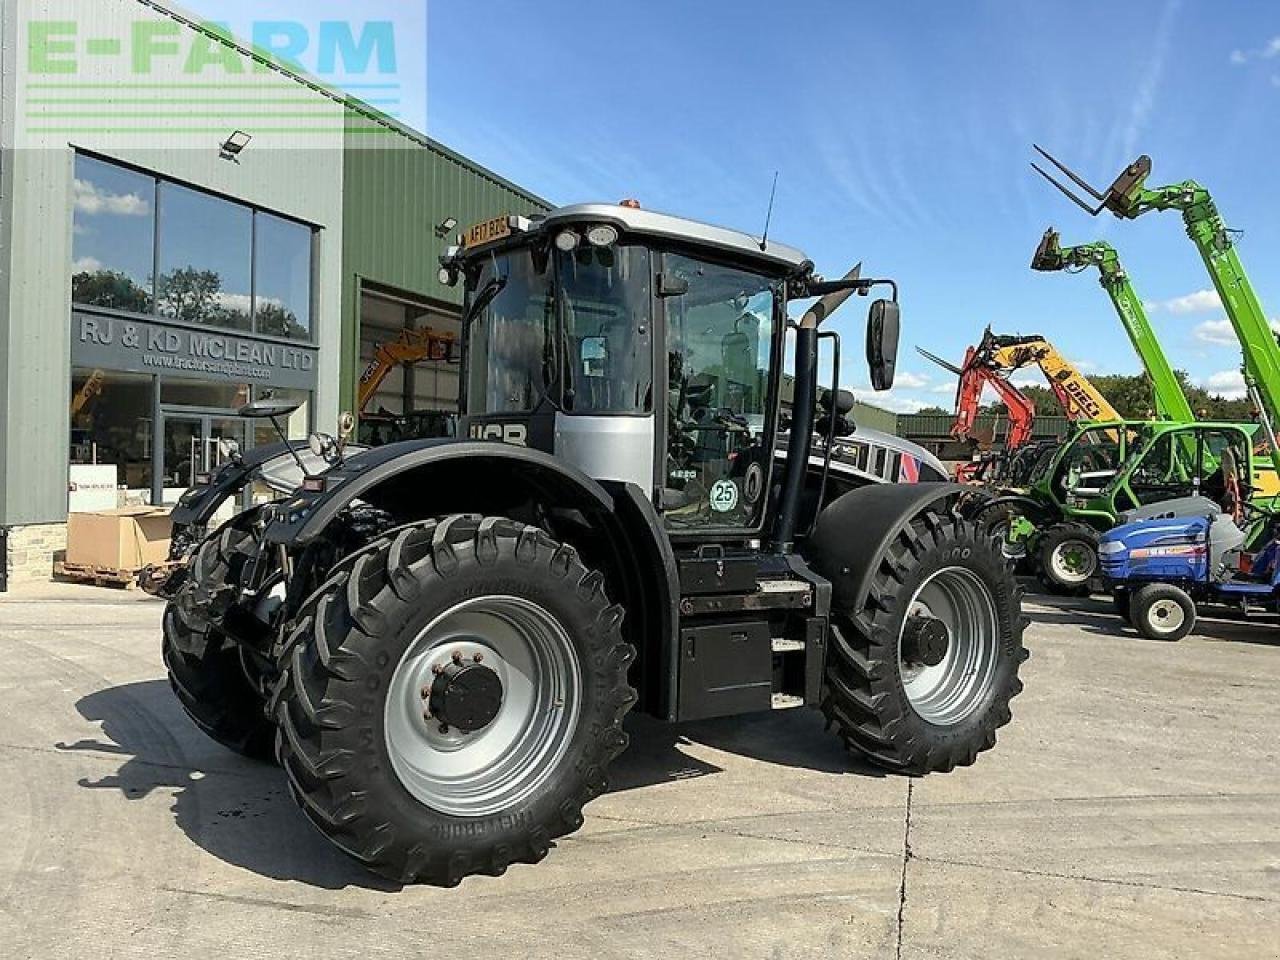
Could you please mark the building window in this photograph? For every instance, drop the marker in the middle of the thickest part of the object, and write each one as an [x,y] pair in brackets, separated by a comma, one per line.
[111,424]
[146,245]
[282,255]
[206,259]
[114,237]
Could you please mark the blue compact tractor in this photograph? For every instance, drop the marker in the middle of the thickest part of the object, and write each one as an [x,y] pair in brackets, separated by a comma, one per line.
[1159,566]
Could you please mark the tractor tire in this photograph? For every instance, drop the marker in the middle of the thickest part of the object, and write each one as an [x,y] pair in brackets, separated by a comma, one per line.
[996,522]
[450,700]
[1162,611]
[1067,558]
[216,689]
[219,685]
[880,693]
[1122,601]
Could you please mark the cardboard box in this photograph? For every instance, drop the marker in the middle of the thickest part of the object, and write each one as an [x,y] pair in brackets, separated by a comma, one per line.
[125,539]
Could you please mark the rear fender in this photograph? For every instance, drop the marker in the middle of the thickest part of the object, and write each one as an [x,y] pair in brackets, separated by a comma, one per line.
[854,531]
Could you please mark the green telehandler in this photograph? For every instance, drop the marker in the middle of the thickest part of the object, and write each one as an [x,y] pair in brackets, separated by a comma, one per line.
[1153,467]
[1053,524]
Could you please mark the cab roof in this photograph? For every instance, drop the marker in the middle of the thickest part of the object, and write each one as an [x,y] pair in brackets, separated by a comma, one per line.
[663,226]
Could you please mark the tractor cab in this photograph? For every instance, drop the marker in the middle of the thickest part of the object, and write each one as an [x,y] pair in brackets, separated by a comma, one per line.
[1172,463]
[638,347]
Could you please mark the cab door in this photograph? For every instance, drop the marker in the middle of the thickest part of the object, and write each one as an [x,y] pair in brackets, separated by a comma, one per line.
[1166,470]
[722,345]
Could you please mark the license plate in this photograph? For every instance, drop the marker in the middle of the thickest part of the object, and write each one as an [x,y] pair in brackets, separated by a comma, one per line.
[486,231]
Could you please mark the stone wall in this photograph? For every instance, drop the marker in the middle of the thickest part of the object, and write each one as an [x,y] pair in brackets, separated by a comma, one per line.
[31,551]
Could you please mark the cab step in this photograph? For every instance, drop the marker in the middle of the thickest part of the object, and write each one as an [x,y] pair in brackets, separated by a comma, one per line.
[768,595]
[785,701]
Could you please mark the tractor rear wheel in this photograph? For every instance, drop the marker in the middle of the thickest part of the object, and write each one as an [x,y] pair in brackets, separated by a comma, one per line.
[218,683]
[1068,558]
[1162,611]
[449,701]
[920,679]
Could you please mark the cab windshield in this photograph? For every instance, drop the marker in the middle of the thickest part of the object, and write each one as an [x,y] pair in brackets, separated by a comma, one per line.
[571,330]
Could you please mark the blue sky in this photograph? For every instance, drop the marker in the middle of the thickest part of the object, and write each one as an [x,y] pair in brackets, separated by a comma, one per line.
[901,133]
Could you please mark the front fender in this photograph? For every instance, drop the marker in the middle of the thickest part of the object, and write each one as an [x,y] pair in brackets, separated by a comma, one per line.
[854,531]
[421,478]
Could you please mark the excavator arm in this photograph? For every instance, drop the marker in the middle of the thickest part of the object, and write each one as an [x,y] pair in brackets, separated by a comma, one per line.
[1080,399]
[974,376]
[1170,401]
[412,346]
[1128,197]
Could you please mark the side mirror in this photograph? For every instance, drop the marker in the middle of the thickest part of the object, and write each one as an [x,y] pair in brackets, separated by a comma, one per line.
[882,343]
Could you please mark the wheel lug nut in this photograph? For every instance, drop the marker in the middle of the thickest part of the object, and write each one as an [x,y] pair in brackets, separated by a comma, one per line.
[457,656]
[437,669]
[426,693]
[477,657]
[444,728]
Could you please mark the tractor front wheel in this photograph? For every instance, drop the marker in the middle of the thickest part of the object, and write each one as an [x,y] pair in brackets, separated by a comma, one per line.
[449,701]
[218,682]
[1162,611]
[1068,558]
[920,678]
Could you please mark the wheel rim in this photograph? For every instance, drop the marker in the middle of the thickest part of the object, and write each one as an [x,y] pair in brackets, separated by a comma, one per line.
[491,769]
[946,693]
[1073,561]
[1166,616]
[1010,548]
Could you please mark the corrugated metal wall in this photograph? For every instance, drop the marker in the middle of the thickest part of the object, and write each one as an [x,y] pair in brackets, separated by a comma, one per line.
[398,188]
[935,426]
[300,177]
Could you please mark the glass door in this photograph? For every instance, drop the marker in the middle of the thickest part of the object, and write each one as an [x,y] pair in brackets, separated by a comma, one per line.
[191,447]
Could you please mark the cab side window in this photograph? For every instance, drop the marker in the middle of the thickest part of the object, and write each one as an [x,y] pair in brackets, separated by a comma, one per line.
[1166,470]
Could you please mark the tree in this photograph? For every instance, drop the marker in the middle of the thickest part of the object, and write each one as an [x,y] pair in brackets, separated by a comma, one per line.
[189,294]
[110,288]
[274,320]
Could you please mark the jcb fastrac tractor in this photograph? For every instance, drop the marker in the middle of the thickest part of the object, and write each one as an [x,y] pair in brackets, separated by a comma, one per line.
[439,639]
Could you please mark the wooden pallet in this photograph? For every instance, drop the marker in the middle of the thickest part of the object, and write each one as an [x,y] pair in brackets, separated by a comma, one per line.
[97,576]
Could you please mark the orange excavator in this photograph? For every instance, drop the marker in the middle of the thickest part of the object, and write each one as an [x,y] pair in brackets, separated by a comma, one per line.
[412,346]
[975,375]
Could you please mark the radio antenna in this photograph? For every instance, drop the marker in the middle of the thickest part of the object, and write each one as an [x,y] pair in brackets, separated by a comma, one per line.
[764,240]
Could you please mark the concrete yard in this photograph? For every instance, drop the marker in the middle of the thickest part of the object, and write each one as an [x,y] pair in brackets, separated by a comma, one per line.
[1132,809]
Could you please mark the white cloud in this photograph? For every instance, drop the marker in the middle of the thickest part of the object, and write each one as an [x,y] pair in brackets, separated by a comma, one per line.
[1217,332]
[1225,383]
[947,388]
[1086,365]
[241,302]
[1024,380]
[1201,301]
[90,200]
[888,401]
[86,265]
[1220,332]
[1267,52]
[911,381]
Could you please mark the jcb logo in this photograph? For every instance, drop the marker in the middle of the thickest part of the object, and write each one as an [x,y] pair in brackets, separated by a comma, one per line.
[513,433]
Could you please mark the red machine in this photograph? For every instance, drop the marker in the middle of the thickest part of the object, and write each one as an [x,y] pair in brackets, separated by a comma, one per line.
[974,376]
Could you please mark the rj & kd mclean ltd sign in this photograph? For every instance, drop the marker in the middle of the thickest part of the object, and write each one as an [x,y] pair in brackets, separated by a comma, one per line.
[142,346]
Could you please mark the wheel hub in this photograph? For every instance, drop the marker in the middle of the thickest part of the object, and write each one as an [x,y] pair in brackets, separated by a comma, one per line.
[924,640]
[465,695]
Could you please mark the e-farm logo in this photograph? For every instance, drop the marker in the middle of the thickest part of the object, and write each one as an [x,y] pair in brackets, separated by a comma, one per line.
[161,75]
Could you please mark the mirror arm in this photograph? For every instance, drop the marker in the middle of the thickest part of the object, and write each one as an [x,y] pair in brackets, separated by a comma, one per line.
[860,286]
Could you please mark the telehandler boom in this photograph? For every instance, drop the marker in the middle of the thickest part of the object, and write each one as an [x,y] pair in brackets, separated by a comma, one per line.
[1170,401]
